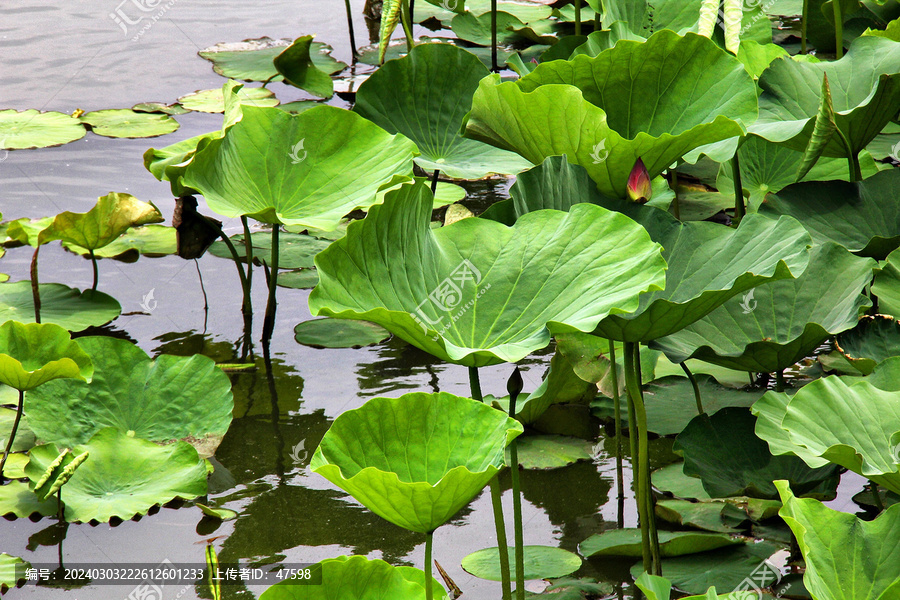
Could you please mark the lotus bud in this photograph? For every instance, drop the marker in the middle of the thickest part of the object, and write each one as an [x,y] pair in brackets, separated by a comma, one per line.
[515,384]
[639,187]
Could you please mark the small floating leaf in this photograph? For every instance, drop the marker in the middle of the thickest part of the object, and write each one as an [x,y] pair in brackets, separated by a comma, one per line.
[126,123]
[541,562]
[34,129]
[339,333]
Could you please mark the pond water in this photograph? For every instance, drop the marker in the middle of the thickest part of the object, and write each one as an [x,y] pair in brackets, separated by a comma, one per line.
[67,55]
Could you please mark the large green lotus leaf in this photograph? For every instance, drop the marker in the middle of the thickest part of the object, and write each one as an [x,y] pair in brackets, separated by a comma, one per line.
[170,398]
[655,100]
[726,568]
[425,96]
[487,292]
[627,542]
[309,169]
[864,216]
[770,411]
[123,476]
[357,578]
[113,214]
[252,60]
[871,342]
[34,129]
[846,421]
[598,41]
[33,354]
[163,162]
[295,250]
[660,588]
[722,517]
[12,570]
[730,460]
[773,326]
[845,556]
[213,101]
[865,90]
[886,286]
[148,240]
[126,123]
[645,19]
[415,460]
[767,167]
[510,28]
[541,562]
[17,499]
[25,439]
[60,304]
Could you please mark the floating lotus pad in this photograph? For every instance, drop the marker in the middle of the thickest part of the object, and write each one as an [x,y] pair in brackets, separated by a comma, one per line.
[627,542]
[466,301]
[541,562]
[281,168]
[213,101]
[552,451]
[34,129]
[60,304]
[34,354]
[415,460]
[339,333]
[425,96]
[169,398]
[126,123]
[655,100]
[19,500]
[773,326]
[123,476]
[357,578]
[12,570]
[295,250]
[25,439]
[252,60]
[845,556]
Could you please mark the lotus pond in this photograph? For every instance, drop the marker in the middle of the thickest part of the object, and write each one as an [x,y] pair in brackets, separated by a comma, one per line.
[288,286]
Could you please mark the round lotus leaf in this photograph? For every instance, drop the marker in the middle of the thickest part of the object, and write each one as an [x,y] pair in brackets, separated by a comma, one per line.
[470,296]
[34,129]
[627,542]
[357,578]
[126,123]
[282,168]
[148,240]
[60,304]
[874,340]
[213,101]
[160,107]
[541,562]
[295,250]
[417,459]
[34,354]
[251,60]
[551,451]
[339,333]
[304,279]
[169,398]
[123,476]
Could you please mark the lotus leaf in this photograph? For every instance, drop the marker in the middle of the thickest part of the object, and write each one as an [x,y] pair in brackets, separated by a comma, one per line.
[822,419]
[723,517]
[34,354]
[160,107]
[865,87]
[213,101]
[730,460]
[160,400]
[871,342]
[17,499]
[598,41]
[645,19]
[627,542]
[339,333]
[660,588]
[295,250]
[24,436]
[123,476]
[845,556]
[126,123]
[62,305]
[415,460]
[297,68]
[863,216]
[654,101]
[107,220]
[425,96]
[34,129]
[757,57]
[541,562]
[357,578]
[510,28]
[773,326]
[304,279]
[552,451]
[252,60]
[525,12]
[12,570]
[886,286]
[148,240]
[591,262]
[280,168]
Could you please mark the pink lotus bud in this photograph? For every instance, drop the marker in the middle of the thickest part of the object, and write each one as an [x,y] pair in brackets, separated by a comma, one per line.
[639,188]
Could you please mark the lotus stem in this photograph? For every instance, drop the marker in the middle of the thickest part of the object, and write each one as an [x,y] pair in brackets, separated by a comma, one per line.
[617,403]
[694,385]
[804,22]
[494,37]
[412,11]
[738,188]
[355,54]
[855,168]
[879,505]
[248,250]
[271,304]
[631,385]
[651,502]
[94,264]
[577,17]
[60,514]
[12,434]
[406,21]
[496,501]
[514,386]
[429,580]
[434,181]
[676,209]
[779,380]
[246,307]
[202,287]
[838,29]
[35,287]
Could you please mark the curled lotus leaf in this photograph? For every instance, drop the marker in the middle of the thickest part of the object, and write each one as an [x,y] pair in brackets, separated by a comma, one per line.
[33,354]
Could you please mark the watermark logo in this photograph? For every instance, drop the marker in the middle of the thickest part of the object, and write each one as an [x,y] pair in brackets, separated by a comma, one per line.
[762,577]
[296,158]
[895,151]
[299,453]
[447,297]
[600,152]
[149,590]
[449,4]
[131,13]
[749,5]
[4,153]
[896,453]
[748,304]
[147,302]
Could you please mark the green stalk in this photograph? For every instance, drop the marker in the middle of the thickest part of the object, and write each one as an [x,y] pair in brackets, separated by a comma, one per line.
[651,504]
[434,181]
[676,209]
[350,27]
[694,385]
[35,287]
[838,29]
[406,21]
[779,381]
[514,387]
[247,307]
[94,263]
[804,22]
[429,581]
[499,523]
[12,434]
[494,68]
[636,431]
[577,17]
[738,188]
[248,252]
[620,478]
[271,304]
